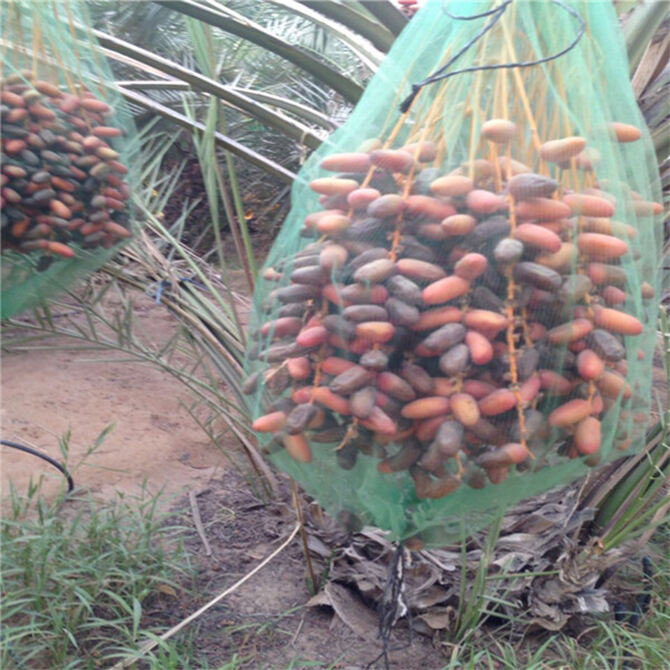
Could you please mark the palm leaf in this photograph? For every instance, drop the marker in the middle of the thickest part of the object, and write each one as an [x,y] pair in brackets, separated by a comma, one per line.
[639,29]
[367,55]
[230,21]
[222,140]
[302,111]
[347,15]
[387,14]
[199,82]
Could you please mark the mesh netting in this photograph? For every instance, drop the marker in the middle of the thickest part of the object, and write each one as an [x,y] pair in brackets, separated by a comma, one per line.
[459,311]
[68,143]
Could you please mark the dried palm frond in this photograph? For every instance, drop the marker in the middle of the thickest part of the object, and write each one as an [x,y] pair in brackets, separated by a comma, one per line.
[542,564]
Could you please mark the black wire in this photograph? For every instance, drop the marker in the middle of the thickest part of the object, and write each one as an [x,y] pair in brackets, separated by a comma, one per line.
[546,59]
[44,457]
[497,14]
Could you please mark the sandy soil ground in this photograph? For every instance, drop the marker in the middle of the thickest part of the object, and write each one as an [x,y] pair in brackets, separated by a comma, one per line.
[48,392]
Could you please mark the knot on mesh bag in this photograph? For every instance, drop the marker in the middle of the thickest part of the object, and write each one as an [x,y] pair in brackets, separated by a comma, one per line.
[67,145]
[459,311]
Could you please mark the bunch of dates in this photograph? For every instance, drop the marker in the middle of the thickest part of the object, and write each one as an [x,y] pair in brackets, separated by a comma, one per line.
[453,324]
[61,181]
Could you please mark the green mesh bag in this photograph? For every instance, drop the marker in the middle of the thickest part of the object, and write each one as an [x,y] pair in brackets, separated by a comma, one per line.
[68,144]
[459,311]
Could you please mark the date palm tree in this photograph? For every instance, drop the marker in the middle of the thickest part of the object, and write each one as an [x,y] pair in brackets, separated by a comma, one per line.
[286,73]
[258,85]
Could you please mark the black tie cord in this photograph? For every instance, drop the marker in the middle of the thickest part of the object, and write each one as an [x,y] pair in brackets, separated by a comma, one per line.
[393,605]
[496,15]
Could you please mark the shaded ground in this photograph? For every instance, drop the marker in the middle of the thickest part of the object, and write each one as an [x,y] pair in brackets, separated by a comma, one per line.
[267,619]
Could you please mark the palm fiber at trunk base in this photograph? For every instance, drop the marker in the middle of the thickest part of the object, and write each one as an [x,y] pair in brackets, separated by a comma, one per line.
[548,533]
[459,311]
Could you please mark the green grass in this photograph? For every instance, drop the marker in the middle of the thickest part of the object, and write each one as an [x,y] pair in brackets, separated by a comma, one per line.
[605,645]
[78,576]
[82,581]
[602,643]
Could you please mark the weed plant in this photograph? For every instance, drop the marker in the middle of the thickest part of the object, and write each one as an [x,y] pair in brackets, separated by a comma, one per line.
[79,575]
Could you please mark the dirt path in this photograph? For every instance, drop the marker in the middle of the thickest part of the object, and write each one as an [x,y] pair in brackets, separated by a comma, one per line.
[46,393]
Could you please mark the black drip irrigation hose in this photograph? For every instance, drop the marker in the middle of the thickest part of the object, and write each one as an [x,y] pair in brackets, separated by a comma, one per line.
[44,457]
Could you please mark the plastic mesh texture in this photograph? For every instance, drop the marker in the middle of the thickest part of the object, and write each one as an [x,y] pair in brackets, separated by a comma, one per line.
[521,204]
[68,148]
